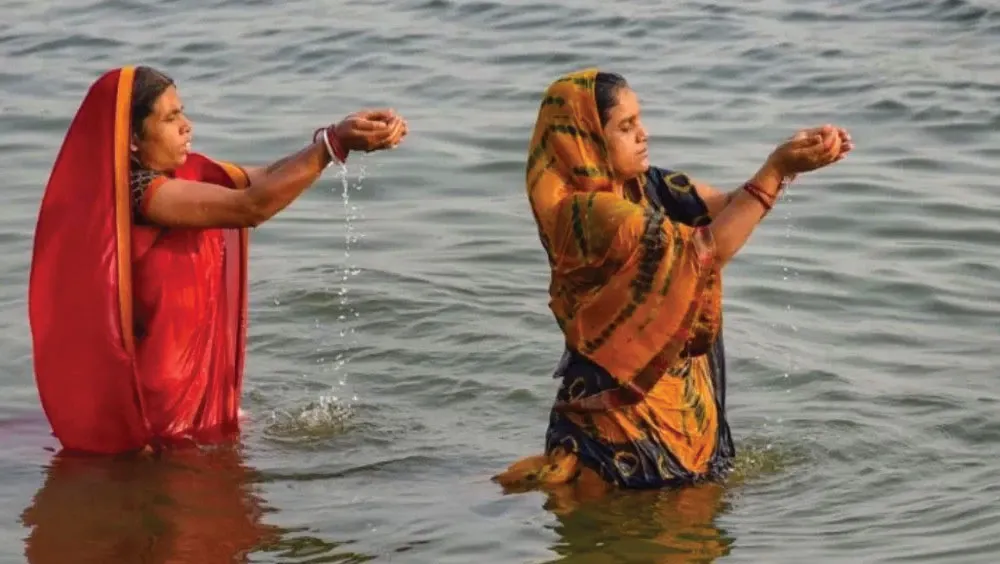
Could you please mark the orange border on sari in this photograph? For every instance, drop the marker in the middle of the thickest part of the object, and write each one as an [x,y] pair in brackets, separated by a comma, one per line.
[123,210]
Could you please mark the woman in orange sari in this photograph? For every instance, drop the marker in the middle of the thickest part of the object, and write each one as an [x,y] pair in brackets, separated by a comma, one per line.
[636,255]
[138,284]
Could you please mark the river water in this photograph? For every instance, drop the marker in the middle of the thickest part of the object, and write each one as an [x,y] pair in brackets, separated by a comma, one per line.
[401,350]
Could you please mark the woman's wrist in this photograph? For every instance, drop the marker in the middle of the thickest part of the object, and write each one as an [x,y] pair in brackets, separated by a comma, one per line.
[770,178]
[327,137]
[765,186]
[765,200]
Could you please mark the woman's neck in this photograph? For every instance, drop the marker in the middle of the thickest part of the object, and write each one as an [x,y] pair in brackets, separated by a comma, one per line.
[630,189]
[137,164]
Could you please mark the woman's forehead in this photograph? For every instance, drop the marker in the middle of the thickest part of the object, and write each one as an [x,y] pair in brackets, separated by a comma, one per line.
[627,105]
[168,103]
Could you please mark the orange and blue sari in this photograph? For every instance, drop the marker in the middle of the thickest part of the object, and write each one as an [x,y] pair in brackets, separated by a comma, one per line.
[636,290]
[138,332]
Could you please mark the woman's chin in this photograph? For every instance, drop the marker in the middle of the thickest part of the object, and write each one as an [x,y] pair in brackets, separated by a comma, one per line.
[639,169]
[644,165]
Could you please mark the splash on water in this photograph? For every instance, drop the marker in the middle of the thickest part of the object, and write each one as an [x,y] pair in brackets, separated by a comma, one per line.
[759,458]
[327,416]
[330,413]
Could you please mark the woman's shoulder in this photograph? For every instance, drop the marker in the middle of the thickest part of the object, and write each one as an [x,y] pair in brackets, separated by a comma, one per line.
[671,178]
[140,176]
[142,182]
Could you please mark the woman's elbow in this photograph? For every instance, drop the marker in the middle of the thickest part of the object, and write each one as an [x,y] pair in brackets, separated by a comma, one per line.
[254,212]
[255,218]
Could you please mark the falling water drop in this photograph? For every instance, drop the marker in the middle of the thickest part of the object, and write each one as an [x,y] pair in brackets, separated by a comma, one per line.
[347,315]
[787,274]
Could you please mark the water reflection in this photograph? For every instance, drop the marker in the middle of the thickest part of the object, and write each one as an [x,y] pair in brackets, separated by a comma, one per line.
[659,527]
[188,505]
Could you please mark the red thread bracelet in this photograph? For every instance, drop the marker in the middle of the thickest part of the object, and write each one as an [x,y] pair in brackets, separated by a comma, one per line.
[758,193]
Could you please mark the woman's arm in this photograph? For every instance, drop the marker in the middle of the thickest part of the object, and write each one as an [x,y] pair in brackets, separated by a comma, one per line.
[715,200]
[732,227]
[187,203]
[257,174]
[808,150]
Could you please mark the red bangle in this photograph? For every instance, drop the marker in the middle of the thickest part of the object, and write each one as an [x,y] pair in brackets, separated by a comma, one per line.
[754,187]
[336,145]
[334,148]
[760,195]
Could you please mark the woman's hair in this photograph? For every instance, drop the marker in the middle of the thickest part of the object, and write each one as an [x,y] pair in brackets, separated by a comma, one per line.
[147,86]
[606,87]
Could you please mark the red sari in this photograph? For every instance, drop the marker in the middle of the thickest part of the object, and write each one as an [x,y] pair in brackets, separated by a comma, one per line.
[138,332]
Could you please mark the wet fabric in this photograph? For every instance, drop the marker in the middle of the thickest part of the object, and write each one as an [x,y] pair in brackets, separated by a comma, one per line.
[636,290]
[138,331]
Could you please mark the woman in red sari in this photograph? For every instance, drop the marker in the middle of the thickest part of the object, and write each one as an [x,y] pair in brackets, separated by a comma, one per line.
[138,287]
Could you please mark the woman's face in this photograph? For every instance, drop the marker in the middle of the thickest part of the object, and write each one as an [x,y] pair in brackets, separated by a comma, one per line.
[628,148]
[165,140]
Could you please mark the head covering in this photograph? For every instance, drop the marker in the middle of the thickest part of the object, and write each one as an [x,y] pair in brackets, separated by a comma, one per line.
[631,289]
[79,297]
[87,255]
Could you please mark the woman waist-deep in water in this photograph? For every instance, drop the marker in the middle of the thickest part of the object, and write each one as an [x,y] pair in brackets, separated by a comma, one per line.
[636,254]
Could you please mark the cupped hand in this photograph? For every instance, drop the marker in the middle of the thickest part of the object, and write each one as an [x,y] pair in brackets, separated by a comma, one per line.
[812,149]
[371,130]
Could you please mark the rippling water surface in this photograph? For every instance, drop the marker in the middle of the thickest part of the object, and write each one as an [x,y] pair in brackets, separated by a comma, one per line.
[400,345]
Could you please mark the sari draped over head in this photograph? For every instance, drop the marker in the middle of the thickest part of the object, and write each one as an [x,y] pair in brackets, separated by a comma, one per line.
[138,331]
[636,290]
